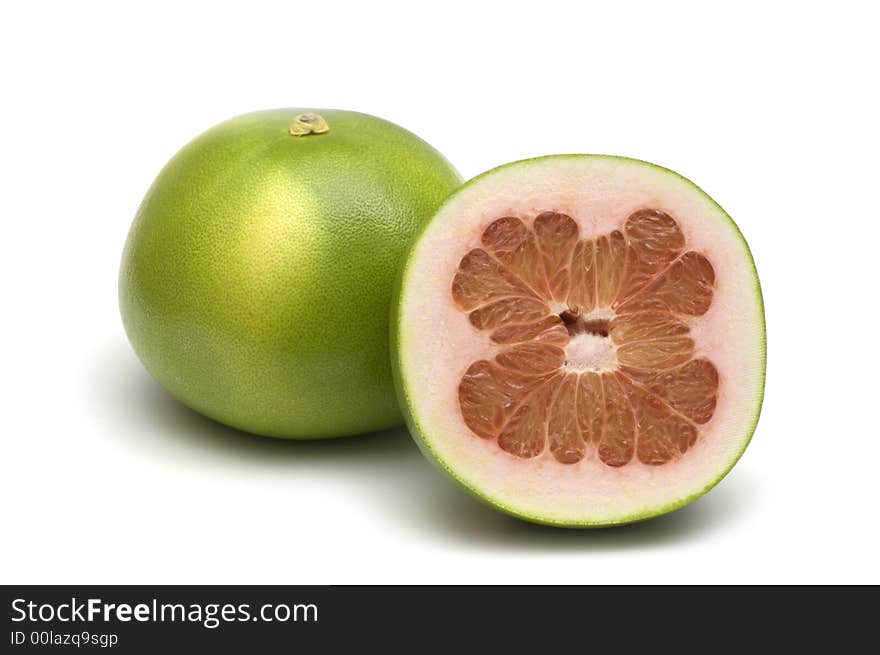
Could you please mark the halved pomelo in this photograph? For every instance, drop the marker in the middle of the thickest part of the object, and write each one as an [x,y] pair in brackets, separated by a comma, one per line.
[580,340]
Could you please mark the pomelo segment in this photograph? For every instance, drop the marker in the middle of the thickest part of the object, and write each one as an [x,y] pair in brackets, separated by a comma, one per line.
[580,340]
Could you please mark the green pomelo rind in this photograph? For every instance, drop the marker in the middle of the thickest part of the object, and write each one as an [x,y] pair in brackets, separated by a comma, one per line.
[256,279]
[421,433]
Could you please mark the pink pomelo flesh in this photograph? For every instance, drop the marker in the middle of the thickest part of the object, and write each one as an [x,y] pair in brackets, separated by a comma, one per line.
[580,340]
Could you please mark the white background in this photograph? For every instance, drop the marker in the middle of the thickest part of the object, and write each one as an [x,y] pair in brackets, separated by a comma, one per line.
[772,108]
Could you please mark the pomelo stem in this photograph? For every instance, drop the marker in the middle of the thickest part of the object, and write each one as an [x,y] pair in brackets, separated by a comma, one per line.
[309,123]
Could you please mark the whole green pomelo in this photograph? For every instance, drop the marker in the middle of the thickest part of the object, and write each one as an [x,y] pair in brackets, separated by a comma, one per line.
[256,280]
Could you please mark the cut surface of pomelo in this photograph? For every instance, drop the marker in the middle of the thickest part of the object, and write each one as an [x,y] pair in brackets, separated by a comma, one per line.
[580,340]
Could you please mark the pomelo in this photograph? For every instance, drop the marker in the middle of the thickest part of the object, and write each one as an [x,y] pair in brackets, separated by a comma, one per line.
[256,280]
[580,341]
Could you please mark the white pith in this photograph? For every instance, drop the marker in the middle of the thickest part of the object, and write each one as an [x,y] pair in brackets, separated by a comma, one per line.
[437,343]
[590,352]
